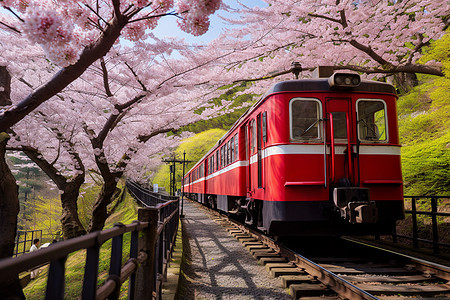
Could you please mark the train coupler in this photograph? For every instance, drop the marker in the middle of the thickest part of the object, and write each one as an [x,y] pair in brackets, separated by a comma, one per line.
[354,204]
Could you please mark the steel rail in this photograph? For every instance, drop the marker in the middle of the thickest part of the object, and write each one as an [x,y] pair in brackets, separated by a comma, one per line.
[425,266]
[341,286]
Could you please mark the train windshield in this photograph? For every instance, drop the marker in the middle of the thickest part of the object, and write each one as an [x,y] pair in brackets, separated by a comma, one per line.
[372,124]
[305,119]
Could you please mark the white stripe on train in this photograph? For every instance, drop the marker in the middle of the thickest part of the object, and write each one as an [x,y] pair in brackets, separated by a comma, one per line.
[303,149]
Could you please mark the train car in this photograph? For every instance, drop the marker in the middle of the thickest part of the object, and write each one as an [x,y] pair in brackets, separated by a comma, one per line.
[312,157]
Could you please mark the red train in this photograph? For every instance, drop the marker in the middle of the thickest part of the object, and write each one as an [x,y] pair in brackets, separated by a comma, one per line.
[312,157]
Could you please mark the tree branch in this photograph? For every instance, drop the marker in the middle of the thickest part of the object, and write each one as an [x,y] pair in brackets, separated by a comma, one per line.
[136,76]
[326,18]
[65,76]
[10,27]
[105,78]
[116,5]
[369,51]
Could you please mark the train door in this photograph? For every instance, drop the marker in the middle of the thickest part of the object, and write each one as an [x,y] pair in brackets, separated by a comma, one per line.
[339,136]
[259,150]
[248,154]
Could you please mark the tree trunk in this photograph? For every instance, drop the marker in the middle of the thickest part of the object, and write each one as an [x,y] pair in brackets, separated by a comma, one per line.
[70,221]
[9,209]
[100,211]
[405,81]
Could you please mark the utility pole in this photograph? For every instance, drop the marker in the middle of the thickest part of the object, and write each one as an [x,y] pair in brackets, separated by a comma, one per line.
[172,163]
[182,184]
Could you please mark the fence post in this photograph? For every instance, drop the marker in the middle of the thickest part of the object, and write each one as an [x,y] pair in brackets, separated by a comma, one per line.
[414,222]
[146,275]
[434,224]
[414,219]
[394,234]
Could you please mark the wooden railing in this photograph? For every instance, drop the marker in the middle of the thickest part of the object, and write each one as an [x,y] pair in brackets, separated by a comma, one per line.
[152,240]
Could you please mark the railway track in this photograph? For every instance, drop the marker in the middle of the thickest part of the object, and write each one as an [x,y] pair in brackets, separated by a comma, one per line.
[341,268]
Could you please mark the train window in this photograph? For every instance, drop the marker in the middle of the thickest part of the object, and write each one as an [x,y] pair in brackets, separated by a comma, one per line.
[228,153]
[236,146]
[258,132]
[372,122]
[217,160]
[305,118]
[253,137]
[232,149]
[339,124]
[225,155]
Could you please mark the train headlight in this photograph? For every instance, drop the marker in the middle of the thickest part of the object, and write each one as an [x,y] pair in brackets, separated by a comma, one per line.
[344,80]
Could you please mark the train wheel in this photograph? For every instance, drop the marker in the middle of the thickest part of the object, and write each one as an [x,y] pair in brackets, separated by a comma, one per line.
[253,212]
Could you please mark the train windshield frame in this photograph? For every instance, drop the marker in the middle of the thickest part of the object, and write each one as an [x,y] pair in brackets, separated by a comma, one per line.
[372,121]
[305,120]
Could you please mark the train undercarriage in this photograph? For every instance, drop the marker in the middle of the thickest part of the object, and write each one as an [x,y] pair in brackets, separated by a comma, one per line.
[346,214]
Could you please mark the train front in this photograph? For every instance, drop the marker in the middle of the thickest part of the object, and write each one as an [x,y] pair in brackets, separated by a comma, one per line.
[333,167]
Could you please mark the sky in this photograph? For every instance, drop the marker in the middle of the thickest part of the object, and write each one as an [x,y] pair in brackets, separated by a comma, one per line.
[167,26]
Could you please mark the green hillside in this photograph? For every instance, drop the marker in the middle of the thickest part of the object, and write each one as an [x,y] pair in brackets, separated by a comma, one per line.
[195,147]
[424,124]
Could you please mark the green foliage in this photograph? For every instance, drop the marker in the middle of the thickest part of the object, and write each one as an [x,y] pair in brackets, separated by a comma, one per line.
[195,147]
[43,214]
[426,167]
[224,122]
[424,123]
[86,200]
[231,95]
[440,51]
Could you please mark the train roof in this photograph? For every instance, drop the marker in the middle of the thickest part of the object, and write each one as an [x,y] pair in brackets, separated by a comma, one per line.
[321,84]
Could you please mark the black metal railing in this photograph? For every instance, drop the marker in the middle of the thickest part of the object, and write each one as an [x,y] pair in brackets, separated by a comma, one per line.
[152,240]
[24,240]
[146,197]
[431,203]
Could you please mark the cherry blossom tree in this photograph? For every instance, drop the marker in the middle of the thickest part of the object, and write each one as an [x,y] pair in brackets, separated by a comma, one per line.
[73,35]
[372,37]
[118,112]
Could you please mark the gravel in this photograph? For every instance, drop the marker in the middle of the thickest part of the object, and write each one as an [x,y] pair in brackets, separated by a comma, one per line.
[217,266]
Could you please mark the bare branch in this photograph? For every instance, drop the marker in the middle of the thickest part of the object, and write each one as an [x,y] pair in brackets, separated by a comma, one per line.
[326,18]
[155,16]
[14,13]
[97,14]
[26,82]
[144,88]
[105,78]
[10,27]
